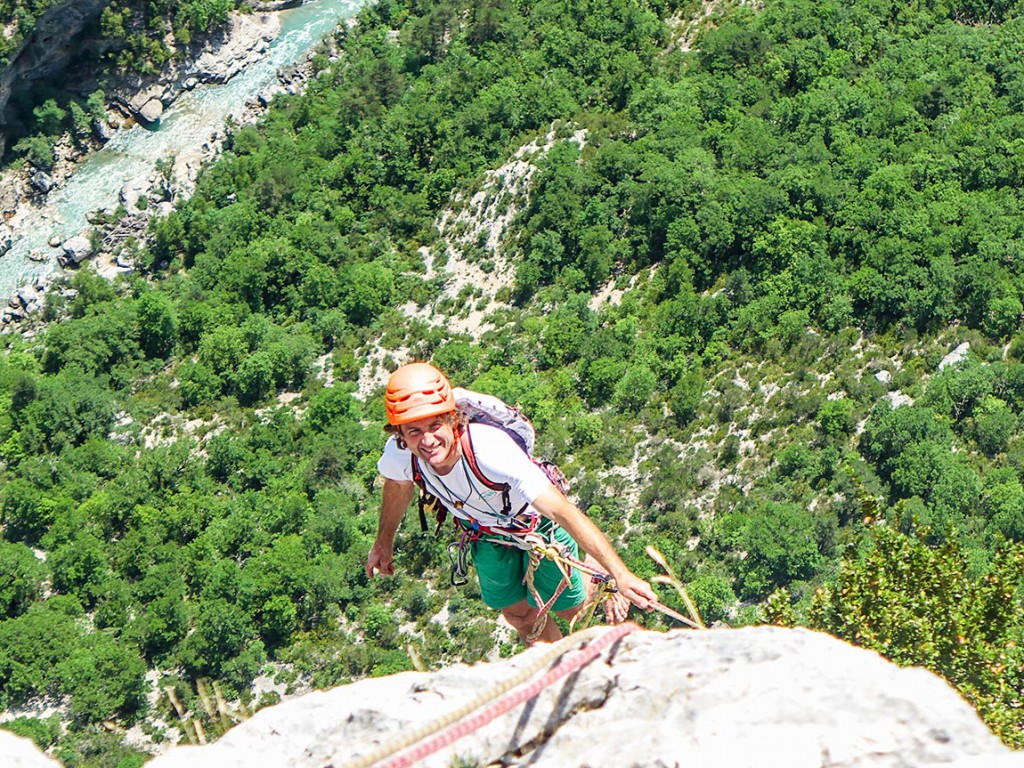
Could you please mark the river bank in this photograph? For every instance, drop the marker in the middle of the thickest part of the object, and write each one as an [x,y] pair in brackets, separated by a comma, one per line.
[136,99]
[27,195]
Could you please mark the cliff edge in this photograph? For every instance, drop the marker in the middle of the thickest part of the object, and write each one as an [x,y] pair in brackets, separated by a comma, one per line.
[760,696]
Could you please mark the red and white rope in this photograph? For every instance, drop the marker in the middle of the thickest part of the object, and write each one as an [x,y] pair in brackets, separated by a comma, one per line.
[430,738]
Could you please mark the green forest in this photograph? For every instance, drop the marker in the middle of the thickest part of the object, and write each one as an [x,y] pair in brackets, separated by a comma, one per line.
[802,212]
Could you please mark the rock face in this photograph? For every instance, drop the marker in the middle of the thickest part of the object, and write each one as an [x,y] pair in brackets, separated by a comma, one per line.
[22,753]
[220,57]
[726,698]
[49,48]
[958,355]
[57,38]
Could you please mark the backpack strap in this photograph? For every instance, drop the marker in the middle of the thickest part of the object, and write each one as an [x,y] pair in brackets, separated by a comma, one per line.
[428,502]
[466,440]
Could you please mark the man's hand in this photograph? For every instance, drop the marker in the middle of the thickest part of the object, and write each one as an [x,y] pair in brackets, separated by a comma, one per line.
[636,590]
[380,561]
[395,500]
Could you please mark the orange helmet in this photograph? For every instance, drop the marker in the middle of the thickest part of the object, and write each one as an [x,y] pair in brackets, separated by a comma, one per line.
[417,391]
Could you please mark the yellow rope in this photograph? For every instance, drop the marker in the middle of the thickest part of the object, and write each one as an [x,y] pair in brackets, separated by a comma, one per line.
[425,731]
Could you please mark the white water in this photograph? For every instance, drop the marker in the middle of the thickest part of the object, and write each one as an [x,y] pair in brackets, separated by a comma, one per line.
[133,153]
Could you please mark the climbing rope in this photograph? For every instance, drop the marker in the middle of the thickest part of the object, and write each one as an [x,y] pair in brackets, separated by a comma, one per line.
[538,547]
[500,699]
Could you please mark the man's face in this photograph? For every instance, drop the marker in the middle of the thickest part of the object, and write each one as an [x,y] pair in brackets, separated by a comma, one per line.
[433,441]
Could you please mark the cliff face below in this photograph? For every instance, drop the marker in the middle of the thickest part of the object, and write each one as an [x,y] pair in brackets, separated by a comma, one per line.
[51,46]
[749,697]
[64,31]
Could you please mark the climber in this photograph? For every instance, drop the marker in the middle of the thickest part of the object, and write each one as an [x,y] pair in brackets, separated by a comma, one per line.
[495,493]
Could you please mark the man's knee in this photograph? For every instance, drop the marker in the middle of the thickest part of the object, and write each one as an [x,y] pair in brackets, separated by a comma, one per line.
[570,613]
[519,613]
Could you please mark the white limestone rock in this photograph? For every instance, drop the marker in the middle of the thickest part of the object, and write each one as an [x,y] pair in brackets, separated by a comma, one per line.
[151,111]
[245,41]
[17,752]
[958,355]
[76,250]
[761,697]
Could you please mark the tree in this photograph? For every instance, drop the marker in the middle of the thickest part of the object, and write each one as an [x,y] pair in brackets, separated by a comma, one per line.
[67,410]
[80,568]
[221,632]
[157,324]
[921,607]
[636,388]
[366,289]
[21,578]
[781,545]
[50,117]
[104,679]
[993,425]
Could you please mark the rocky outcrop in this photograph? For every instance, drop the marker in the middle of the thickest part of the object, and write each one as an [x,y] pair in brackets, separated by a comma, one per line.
[219,58]
[275,5]
[762,697]
[58,36]
[22,753]
[48,49]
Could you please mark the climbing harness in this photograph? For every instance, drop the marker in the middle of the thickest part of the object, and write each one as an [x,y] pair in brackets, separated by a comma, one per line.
[445,731]
[539,546]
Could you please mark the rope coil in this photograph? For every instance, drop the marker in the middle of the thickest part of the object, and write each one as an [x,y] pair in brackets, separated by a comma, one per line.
[501,699]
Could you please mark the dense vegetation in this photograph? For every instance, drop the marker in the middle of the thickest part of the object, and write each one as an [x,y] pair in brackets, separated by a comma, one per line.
[804,216]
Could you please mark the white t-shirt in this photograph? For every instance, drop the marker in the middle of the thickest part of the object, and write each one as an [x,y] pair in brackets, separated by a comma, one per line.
[499,459]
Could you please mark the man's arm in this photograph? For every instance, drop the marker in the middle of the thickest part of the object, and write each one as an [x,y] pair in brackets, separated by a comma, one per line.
[396,498]
[553,505]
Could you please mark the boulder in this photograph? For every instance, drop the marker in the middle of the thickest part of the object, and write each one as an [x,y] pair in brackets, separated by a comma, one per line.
[956,356]
[41,182]
[102,130]
[150,112]
[6,239]
[27,296]
[76,250]
[132,191]
[761,697]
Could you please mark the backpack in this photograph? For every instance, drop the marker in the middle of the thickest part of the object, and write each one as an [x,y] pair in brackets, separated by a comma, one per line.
[479,408]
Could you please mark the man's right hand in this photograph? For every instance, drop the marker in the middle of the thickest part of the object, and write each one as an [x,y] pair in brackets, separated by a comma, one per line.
[380,561]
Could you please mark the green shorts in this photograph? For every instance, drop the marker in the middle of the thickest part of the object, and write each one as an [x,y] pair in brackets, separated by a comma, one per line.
[502,571]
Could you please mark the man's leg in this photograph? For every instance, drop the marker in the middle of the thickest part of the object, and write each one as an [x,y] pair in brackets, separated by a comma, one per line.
[523,617]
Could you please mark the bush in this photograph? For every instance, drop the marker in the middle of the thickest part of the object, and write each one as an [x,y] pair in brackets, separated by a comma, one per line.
[921,607]
[713,596]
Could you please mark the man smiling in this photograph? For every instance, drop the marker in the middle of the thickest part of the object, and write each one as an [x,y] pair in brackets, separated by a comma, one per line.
[426,424]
